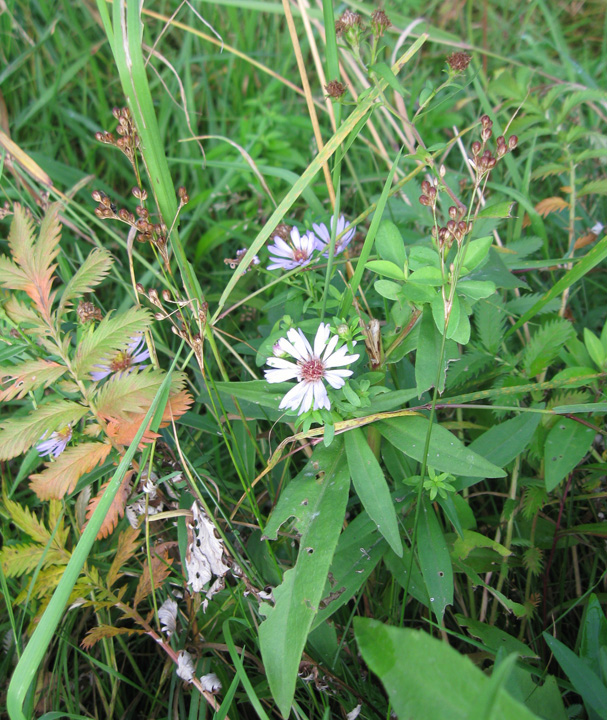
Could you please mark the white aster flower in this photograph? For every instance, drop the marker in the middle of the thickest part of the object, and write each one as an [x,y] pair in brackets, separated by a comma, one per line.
[312,366]
[297,252]
[56,443]
[323,234]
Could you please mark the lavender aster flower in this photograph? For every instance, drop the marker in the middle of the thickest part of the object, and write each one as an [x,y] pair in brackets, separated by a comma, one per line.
[123,360]
[312,366]
[56,443]
[324,236]
[297,252]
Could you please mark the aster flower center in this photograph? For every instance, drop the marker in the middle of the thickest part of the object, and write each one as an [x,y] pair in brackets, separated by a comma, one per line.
[121,361]
[65,433]
[299,254]
[312,370]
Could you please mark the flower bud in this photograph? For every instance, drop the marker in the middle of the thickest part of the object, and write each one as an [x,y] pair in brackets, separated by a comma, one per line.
[512,142]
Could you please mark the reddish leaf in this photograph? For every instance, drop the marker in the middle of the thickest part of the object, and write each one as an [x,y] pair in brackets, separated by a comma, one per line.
[161,568]
[117,507]
[61,475]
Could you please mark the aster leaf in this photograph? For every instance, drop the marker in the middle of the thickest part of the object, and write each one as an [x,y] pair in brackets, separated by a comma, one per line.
[18,434]
[113,334]
[27,376]
[94,269]
[61,476]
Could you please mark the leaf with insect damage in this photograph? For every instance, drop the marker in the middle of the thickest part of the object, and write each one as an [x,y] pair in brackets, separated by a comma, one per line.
[17,380]
[61,476]
[117,507]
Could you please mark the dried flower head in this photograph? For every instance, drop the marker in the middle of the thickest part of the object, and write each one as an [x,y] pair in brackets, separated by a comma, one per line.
[88,312]
[379,22]
[458,61]
[335,89]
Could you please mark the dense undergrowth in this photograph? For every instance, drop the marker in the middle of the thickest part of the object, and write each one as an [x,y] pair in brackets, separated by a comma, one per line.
[303,352]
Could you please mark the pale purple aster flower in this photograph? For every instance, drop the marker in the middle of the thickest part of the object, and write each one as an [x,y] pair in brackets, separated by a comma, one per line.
[312,366]
[296,253]
[324,236]
[56,443]
[123,360]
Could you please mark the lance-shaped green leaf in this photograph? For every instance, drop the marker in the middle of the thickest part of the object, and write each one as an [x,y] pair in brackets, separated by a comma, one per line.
[446,452]
[567,443]
[434,560]
[370,484]
[320,514]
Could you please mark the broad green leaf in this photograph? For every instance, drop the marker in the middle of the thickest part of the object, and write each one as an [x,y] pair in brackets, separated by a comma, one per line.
[585,681]
[421,256]
[477,251]
[387,289]
[566,444]
[595,348]
[494,638]
[387,269]
[426,678]
[371,486]
[446,452]
[359,549]
[498,210]
[545,700]
[259,398]
[476,289]
[429,345]
[434,560]
[599,407]
[471,540]
[390,245]
[427,276]
[399,569]
[418,294]
[438,311]
[461,334]
[283,634]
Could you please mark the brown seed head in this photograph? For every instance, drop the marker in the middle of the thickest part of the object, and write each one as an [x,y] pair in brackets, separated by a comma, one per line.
[335,89]
[88,312]
[283,231]
[458,61]
[380,22]
[512,142]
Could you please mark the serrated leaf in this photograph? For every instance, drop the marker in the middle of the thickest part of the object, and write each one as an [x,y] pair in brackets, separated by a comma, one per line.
[61,476]
[594,187]
[116,510]
[12,276]
[545,345]
[371,486]
[155,574]
[112,334]
[490,321]
[127,394]
[94,635]
[94,269]
[446,452]
[566,445]
[128,542]
[17,560]
[17,380]
[520,305]
[19,434]
[283,634]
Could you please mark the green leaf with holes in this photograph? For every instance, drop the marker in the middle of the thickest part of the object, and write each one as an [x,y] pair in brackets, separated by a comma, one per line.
[567,443]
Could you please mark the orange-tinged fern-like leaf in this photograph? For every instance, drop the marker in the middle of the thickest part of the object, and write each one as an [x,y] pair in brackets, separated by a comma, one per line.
[26,521]
[17,380]
[128,542]
[117,507]
[129,394]
[19,559]
[12,276]
[123,432]
[92,271]
[551,205]
[113,333]
[21,235]
[61,476]
[161,569]
[105,631]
